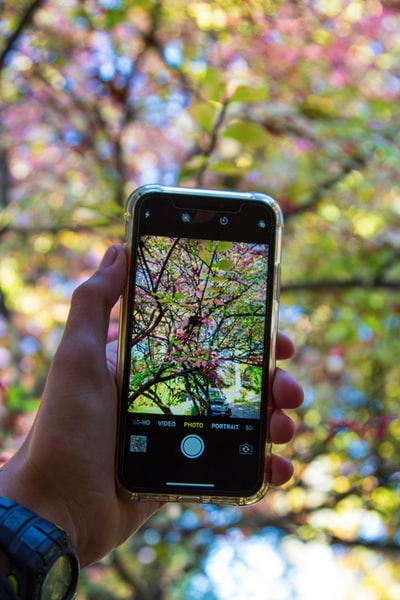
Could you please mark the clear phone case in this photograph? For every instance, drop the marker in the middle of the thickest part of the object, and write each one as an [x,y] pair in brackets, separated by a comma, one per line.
[136,196]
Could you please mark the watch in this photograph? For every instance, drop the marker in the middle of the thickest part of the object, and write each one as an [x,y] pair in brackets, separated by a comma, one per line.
[42,564]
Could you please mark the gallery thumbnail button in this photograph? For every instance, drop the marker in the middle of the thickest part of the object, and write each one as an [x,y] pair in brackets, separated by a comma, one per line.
[192,446]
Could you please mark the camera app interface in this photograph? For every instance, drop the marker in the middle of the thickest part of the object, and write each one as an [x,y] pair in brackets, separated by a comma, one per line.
[194,400]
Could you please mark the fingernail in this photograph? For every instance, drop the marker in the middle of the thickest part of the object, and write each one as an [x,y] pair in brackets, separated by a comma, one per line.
[110,256]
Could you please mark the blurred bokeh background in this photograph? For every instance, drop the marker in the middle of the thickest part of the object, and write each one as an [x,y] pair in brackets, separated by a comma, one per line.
[299,99]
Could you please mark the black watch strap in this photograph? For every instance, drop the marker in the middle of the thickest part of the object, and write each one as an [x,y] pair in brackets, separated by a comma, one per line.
[32,545]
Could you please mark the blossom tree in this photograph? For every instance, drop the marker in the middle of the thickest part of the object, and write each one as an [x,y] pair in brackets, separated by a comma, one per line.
[296,99]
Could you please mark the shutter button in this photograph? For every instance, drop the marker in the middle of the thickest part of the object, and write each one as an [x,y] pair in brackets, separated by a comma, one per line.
[192,446]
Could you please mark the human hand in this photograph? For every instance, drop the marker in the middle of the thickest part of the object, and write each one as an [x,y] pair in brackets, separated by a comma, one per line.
[65,471]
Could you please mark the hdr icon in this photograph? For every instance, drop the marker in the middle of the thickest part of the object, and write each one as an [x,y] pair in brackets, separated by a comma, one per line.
[246,449]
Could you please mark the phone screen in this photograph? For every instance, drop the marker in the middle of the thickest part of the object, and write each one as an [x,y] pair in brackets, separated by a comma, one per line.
[196,380]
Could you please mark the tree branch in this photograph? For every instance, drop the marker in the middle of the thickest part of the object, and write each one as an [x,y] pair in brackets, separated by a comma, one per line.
[337,284]
[4,177]
[24,22]
[136,586]
[207,152]
[358,160]
[355,162]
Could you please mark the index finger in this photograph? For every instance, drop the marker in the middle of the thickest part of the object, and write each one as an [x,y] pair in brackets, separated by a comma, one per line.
[287,392]
[284,346]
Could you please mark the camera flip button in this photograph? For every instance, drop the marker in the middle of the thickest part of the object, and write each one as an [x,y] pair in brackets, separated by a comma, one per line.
[192,446]
[246,449]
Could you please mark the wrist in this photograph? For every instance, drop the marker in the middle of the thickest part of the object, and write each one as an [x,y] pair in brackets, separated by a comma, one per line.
[40,561]
[19,483]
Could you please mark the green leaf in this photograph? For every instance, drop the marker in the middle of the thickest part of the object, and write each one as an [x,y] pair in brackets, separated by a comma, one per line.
[224,265]
[212,85]
[204,114]
[114,17]
[224,246]
[227,168]
[247,133]
[19,400]
[245,93]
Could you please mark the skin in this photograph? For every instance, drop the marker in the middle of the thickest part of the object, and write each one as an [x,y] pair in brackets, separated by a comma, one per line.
[64,470]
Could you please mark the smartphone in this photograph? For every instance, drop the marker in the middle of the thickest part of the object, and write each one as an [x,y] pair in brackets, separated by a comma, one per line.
[197,344]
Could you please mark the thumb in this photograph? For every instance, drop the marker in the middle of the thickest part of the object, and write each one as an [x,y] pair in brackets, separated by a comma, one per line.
[81,352]
[93,300]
